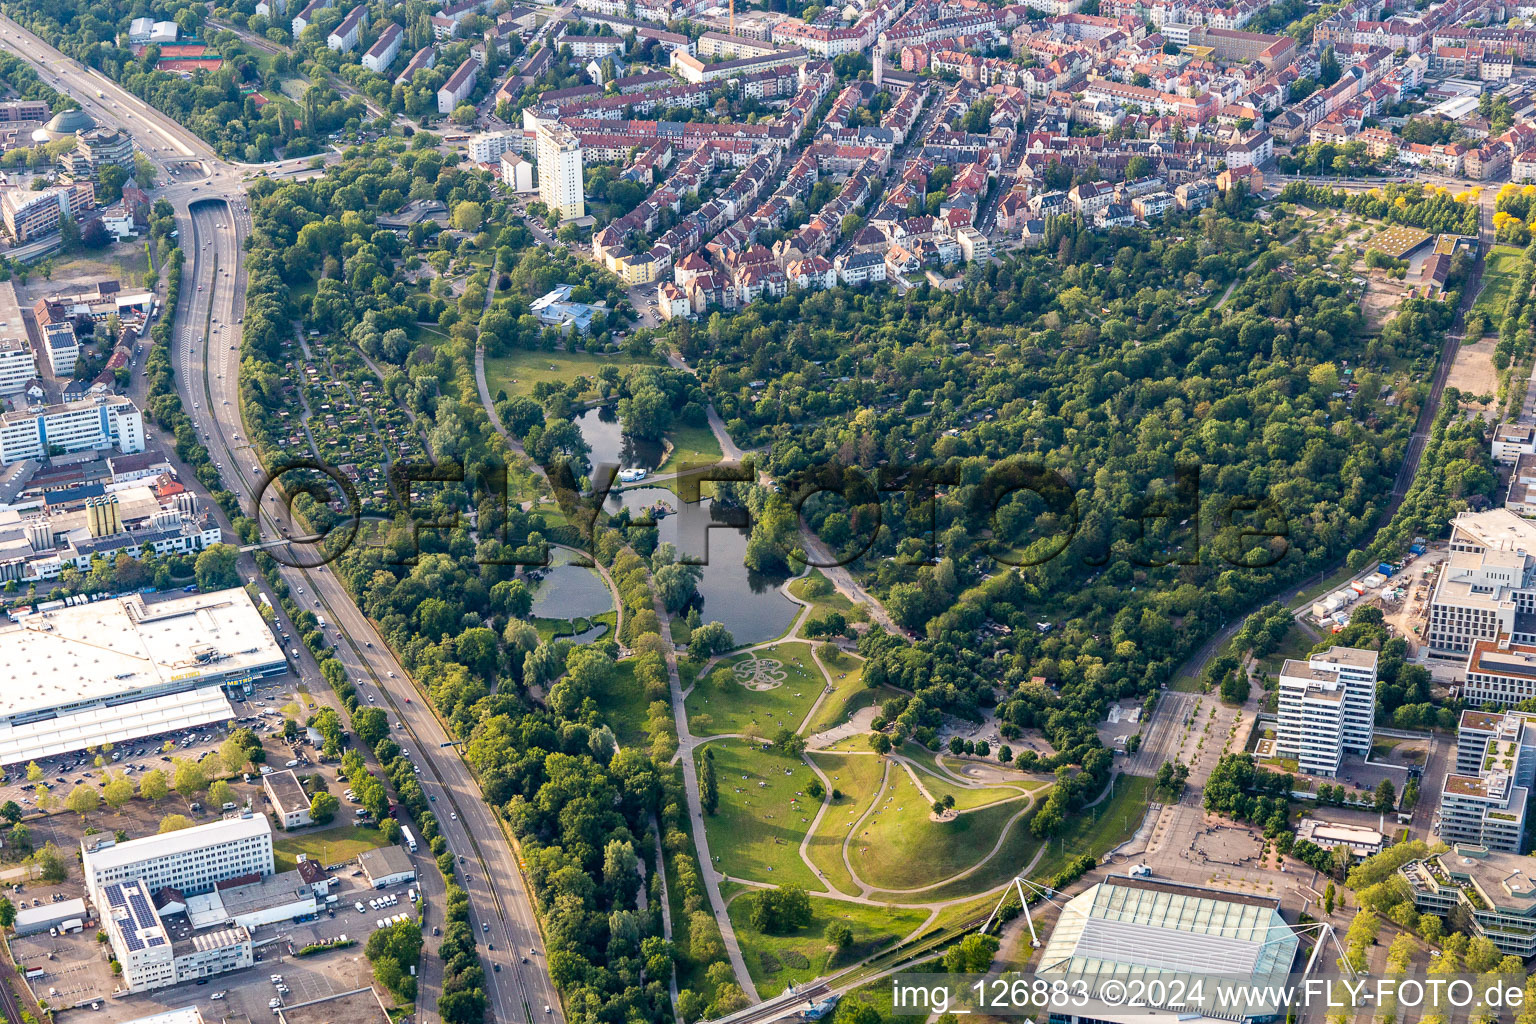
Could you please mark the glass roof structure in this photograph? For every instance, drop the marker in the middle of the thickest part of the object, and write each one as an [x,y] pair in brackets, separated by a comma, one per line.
[1125,928]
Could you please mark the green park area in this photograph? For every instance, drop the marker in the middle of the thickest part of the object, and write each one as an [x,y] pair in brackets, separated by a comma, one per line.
[691,446]
[756,694]
[803,954]
[900,846]
[1501,268]
[763,814]
[335,845]
[516,373]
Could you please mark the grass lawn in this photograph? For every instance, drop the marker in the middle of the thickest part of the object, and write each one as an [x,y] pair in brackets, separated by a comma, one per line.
[967,798]
[332,846]
[756,831]
[832,600]
[691,446]
[900,848]
[516,374]
[849,692]
[776,961]
[623,701]
[1500,268]
[720,704]
[857,777]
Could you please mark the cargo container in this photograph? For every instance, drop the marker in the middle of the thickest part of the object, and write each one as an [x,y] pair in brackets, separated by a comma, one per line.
[1386,568]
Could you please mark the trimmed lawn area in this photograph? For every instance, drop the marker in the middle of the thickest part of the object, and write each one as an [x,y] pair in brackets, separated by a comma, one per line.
[848,690]
[967,798]
[756,831]
[1295,644]
[776,961]
[720,703]
[691,446]
[858,778]
[332,846]
[900,848]
[623,701]
[1500,268]
[827,599]
[1095,830]
[517,373]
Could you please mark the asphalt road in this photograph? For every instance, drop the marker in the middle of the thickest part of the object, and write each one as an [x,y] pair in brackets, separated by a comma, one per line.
[502,913]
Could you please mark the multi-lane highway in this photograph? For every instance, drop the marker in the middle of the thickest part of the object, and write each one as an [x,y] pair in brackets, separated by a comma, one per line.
[214,220]
[207,346]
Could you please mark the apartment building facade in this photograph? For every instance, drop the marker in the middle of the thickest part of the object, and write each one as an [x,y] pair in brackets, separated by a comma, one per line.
[1327,707]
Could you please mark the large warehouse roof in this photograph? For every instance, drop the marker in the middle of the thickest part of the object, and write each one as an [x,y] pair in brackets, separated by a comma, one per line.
[69,658]
[103,723]
[1138,927]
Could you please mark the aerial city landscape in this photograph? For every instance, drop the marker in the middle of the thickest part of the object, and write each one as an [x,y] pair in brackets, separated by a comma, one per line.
[701,510]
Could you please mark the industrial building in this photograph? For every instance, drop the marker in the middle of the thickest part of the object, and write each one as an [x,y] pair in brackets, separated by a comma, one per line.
[115,670]
[289,800]
[387,866]
[31,920]
[359,1006]
[1327,706]
[1127,928]
[252,901]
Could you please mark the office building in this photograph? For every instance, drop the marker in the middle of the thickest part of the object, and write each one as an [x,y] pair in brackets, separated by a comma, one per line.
[158,952]
[1495,891]
[561,187]
[17,366]
[1500,672]
[1327,707]
[289,801]
[28,215]
[115,670]
[251,902]
[1512,440]
[1483,801]
[98,423]
[1477,730]
[190,860]
[1487,584]
[63,347]
[1362,841]
[96,148]
[1125,929]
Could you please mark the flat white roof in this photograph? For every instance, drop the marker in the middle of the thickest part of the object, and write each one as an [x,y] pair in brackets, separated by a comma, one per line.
[185,1015]
[115,723]
[48,913]
[197,837]
[70,658]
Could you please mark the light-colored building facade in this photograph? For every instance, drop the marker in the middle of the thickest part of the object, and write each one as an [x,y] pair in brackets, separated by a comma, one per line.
[1487,585]
[561,187]
[17,365]
[289,801]
[190,860]
[99,423]
[1494,890]
[1327,707]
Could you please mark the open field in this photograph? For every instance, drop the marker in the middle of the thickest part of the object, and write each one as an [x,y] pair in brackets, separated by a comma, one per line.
[763,815]
[691,446]
[723,702]
[1500,268]
[967,798]
[900,847]
[776,961]
[517,373]
[857,777]
[832,600]
[331,846]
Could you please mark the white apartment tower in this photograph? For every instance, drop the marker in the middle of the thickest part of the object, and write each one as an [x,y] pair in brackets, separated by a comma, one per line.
[560,181]
[1327,707]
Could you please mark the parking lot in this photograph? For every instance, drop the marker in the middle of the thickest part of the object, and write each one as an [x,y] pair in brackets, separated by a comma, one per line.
[261,712]
[76,970]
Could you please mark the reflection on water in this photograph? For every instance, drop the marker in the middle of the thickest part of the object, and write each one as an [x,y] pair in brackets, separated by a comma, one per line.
[748,604]
[611,446]
[570,591]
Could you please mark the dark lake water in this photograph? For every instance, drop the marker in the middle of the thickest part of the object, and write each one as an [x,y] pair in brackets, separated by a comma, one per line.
[611,446]
[748,604]
[570,591]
